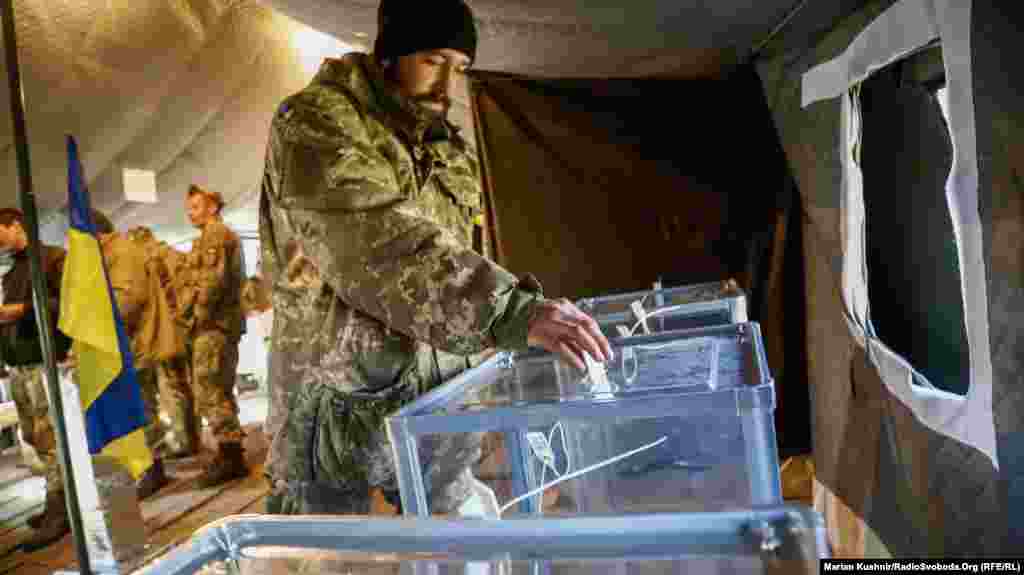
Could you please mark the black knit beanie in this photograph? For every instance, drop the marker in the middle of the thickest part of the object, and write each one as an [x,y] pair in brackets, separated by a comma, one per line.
[408,26]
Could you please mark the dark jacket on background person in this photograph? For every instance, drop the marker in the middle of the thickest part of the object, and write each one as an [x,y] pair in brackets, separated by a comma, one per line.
[19,340]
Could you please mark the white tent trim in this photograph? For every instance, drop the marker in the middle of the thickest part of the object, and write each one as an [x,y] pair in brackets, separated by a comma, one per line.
[904,28]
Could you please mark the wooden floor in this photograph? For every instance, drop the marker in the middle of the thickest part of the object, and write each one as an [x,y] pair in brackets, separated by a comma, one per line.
[172,515]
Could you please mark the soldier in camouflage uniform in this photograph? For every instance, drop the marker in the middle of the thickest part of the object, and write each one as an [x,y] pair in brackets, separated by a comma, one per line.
[176,397]
[144,314]
[366,226]
[19,345]
[210,306]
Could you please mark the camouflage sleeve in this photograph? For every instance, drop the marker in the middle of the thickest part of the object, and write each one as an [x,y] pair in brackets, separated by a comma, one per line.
[355,223]
[172,259]
[176,264]
[126,268]
[214,252]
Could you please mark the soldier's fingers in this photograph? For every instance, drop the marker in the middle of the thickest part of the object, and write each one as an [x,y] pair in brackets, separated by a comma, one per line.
[594,329]
[583,354]
[606,347]
[574,330]
[585,340]
[570,355]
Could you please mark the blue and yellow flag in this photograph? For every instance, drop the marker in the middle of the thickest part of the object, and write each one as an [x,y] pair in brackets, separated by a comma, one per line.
[114,414]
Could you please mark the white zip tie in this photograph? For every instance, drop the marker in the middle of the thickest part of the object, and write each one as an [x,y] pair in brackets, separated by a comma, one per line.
[579,472]
[545,464]
[655,313]
[640,314]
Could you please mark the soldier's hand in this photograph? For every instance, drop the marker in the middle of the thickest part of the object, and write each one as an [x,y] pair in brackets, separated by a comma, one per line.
[12,312]
[560,327]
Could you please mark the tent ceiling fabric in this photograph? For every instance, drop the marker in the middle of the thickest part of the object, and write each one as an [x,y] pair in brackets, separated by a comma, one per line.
[187,89]
[577,38]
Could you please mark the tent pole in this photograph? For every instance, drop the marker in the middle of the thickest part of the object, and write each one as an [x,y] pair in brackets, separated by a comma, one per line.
[40,293]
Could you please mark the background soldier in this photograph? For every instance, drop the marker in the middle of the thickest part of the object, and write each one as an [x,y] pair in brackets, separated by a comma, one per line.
[176,397]
[19,344]
[210,307]
[148,325]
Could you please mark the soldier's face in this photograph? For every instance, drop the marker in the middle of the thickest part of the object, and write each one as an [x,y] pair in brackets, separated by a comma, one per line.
[12,238]
[201,209]
[428,79]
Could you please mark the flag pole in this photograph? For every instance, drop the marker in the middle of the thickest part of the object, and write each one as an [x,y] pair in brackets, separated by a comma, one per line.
[40,293]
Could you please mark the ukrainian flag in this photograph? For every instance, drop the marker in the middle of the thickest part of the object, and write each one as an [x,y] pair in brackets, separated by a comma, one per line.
[114,413]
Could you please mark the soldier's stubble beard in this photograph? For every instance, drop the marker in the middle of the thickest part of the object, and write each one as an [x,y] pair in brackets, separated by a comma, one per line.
[421,102]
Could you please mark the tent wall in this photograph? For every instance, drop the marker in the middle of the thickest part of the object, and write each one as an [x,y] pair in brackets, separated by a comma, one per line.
[887,483]
[998,85]
[648,174]
[602,186]
[569,193]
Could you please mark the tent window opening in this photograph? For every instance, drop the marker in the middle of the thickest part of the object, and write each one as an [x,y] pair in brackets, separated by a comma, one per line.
[916,304]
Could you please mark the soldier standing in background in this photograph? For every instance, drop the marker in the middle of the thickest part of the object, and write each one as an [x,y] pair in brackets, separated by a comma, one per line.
[176,395]
[19,345]
[149,326]
[210,307]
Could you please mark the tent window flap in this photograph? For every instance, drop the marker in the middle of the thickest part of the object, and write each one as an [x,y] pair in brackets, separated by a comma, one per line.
[903,29]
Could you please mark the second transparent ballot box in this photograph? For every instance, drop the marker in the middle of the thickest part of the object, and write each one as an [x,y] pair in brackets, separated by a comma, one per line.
[676,422]
[669,309]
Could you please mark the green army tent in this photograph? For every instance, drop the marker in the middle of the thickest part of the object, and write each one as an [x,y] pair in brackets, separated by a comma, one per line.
[855,164]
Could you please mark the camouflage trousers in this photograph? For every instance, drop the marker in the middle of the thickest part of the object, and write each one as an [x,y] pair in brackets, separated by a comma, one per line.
[155,431]
[177,404]
[30,399]
[213,366]
[28,389]
[338,451]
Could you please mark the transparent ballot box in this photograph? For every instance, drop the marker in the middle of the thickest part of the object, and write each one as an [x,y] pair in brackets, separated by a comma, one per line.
[684,307]
[678,421]
[786,540]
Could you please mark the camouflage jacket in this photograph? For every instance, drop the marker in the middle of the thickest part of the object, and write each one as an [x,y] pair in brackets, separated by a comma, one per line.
[126,269]
[161,259]
[210,294]
[139,284]
[366,228]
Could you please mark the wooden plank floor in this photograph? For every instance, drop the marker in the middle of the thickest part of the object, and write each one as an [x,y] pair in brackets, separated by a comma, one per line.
[171,516]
